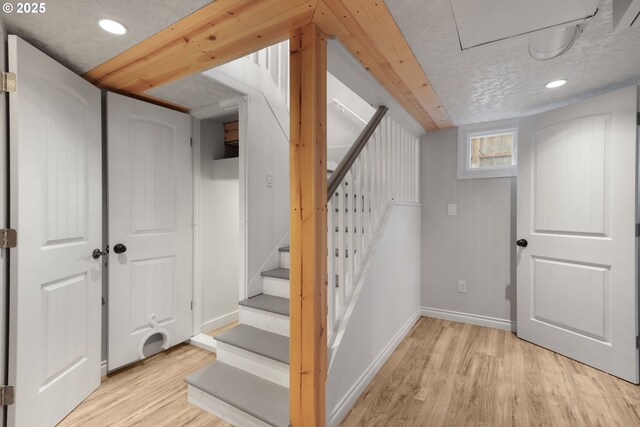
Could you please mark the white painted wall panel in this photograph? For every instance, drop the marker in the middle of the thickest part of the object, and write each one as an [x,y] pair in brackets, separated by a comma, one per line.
[219,229]
[476,245]
[386,306]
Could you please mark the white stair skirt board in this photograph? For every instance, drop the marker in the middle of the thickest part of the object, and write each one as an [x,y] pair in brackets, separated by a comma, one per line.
[276,287]
[255,364]
[473,319]
[285,259]
[346,403]
[270,322]
[221,409]
[219,322]
[204,341]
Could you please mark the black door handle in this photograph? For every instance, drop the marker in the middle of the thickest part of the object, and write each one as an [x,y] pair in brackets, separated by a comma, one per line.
[119,248]
[522,243]
[97,253]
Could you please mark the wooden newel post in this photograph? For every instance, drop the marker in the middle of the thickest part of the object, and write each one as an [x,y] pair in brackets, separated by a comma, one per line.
[308,169]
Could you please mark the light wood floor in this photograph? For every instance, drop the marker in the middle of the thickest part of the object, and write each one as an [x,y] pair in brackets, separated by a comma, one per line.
[150,393]
[442,374]
[451,374]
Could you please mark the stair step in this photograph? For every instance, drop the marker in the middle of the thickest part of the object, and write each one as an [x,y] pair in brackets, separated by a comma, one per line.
[260,398]
[285,249]
[278,273]
[268,303]
[257,341]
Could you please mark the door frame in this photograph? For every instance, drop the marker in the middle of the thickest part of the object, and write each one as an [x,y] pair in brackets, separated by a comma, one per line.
[4,219]
[213,111]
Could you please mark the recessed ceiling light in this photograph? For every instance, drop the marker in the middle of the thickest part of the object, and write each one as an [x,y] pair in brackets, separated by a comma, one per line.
[113,27]
[555,83]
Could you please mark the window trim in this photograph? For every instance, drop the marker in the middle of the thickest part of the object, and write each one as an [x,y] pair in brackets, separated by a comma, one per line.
[466,132]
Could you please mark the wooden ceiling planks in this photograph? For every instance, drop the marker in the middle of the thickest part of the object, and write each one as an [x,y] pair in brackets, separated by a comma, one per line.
[229,29]
[218,33]
[374,38]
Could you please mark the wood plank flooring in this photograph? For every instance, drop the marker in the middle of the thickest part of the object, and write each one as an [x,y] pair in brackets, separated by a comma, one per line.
[149,393]
[451,374]
[442,374]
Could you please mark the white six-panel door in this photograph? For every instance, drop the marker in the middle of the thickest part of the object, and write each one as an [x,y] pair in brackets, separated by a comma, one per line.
[577,282]
[56,206]
[150,213]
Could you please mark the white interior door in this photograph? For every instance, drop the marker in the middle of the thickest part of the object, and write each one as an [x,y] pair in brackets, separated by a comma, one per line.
[56,207]
[577,283]
[151,214]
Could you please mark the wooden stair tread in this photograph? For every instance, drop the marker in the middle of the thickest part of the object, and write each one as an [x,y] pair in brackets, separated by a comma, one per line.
[277,273]
[258,341]
[268,303]
[258,397]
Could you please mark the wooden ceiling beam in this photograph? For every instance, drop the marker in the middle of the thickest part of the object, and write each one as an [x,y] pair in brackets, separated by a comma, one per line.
[368,30]
[226,30]
[218,33]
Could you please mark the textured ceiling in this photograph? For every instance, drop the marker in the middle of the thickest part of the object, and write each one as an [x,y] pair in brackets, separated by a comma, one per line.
[501,80]
[68,30]
[194,91]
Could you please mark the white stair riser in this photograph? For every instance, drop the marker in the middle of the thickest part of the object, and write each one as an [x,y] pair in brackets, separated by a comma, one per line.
[276,287]
[285,260]
[222,410]
[270,322]
[255,364]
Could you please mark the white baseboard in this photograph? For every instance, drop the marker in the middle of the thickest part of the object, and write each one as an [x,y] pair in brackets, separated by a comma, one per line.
[103,368]
[219,322]
[204,341]
[473,319]
[346,403]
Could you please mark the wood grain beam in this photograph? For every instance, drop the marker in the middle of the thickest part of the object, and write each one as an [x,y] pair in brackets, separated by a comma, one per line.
[308,192]
[368,30]
[229,29]
[218,33]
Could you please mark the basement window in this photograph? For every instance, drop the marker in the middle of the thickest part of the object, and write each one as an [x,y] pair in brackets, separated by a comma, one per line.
[488,150]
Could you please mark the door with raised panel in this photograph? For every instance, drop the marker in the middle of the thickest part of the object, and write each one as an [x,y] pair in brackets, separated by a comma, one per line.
[150,229]
[56,207]
[577,282]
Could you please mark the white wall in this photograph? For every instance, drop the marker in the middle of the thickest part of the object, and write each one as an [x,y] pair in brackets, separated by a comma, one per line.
[477,245]
[343,127]
[219,229]
[266,151]
[387,307]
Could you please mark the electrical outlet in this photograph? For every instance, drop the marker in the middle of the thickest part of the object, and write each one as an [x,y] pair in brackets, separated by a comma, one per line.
[462,286]
[452,209]
[269,179]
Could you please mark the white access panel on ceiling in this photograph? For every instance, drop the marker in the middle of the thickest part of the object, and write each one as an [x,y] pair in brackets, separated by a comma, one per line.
[487,21]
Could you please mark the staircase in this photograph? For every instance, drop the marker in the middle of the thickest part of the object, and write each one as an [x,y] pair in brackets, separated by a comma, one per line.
[248,385]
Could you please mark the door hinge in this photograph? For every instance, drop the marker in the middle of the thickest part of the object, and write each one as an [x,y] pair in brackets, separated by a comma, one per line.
[638,119]
[638,342]
[191,141]
[637,230]
[8,238]
[7,82]
[191,305]
[7,395]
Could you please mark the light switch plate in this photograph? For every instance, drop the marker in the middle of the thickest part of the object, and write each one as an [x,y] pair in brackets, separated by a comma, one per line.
[452,209]
[462,286]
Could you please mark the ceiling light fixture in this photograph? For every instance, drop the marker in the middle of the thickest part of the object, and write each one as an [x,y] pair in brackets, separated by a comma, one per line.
[112,26]
[555,83]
